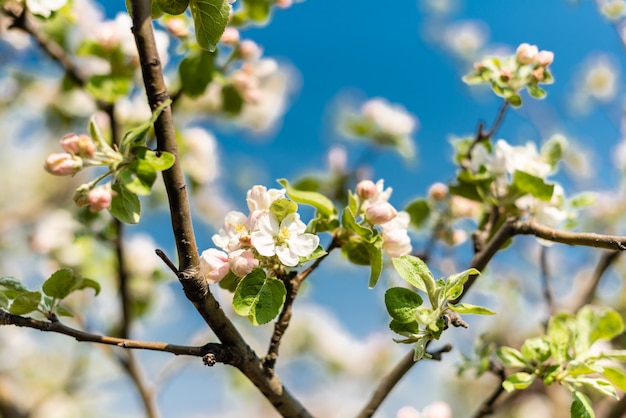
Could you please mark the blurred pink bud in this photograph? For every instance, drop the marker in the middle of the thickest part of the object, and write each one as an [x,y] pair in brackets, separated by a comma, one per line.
[539,73]
[100,198]
[526,53]
[365,189]
[337,159]
[437,409]
[214,265]
[81,145]
[284,4]
[177,27]
[380,213]
[438,191]
[63,164]
[242,262]
[249,50]
[545,58]
[230,36]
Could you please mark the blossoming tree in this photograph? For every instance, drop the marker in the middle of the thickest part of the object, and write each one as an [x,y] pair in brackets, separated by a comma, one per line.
[124,165]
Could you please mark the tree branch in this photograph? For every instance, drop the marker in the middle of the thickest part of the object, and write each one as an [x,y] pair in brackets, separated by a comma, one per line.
[195,287]
[588,291]
[284,318]
[545,279]
[487,407]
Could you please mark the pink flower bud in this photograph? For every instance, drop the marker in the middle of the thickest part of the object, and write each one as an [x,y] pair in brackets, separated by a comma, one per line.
[177,27]
[81,145]
[365,189]
[230,36]
[249,50]
[545,58]
[284,4]
[438,191]
[380,212]
[214,265]
[526,53]
[63,164]
[539,73]
[100,198]
[242,262]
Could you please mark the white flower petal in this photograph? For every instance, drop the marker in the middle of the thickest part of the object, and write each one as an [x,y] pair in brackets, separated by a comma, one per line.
[287,257]
[264,243]
[304,245]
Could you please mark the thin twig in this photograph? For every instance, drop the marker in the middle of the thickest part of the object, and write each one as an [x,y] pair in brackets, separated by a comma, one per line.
[57,326]
[293,285]
[167,261]
[545,279]
[438,355]
[588,290]
[487,407]
[482,135]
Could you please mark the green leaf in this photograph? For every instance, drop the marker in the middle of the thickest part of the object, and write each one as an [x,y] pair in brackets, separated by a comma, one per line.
[137,135]
[356,251]
[581,406]
[454,283]
[196,72]
[159,161]
[376,262]
[578,367]
[173,7]
[419,348]
[13,287]
[619,355]
[349,222]
[89,284]
[511,357]
[125,205]
[592,324]
[583,200]
[598,383]
[515,100]
[419,211]
[416,272]
[259,298]
[608,324]
[401,304]
[320,202]
[537,349]
[536,91]
[535,186]
[467,308]
[60,284]
[4,300]
[518,381]
[63,311]
[257,10]
[317,253]
[405,329]
[25,303]
[232,102]
[210,18]
[107,88]
[616,376]
[552,151]
[283,207]
[560,336]
[138,177]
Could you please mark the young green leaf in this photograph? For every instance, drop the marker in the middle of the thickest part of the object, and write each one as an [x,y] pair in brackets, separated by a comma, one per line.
[282,208]
[376,262]
[60,284]
[536,349]
[125,205]
[467,308]
[419,349]
[13,287]
[138,177]
[172,7]
[88,284]
[196,72]
[616,376]
[401,304]
[24,303]
[320,202]
[560,335]
[406,329]
[510,357]
[418,211]
[108,88]
[349,222]
[581,406]
[259,298]
[518,381]
[210,18]
[159,161]
[4,300]
[533,185]
[598,383]
[317,253]
[416,272]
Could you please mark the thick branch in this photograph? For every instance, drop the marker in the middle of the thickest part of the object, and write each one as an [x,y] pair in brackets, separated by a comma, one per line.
[194,285]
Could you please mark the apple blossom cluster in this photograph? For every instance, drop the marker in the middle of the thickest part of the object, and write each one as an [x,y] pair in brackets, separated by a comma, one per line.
[384,123]
[374,208]
[527,68]
[520,172]
[265,238]
[82,151]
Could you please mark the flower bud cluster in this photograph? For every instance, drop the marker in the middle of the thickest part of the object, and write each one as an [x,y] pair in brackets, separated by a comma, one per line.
[82,151]
[527,68]
[257,240]
[374,208]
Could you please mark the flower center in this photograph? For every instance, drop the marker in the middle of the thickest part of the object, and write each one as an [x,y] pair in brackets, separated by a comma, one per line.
[283,235]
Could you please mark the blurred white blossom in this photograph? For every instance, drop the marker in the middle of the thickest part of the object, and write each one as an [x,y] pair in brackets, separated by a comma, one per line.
[466,39]
[200,159]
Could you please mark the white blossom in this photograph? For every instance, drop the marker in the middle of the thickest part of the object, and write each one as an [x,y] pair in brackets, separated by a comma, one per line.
[288,240]
[396,240]
[234,233]
[44,7]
